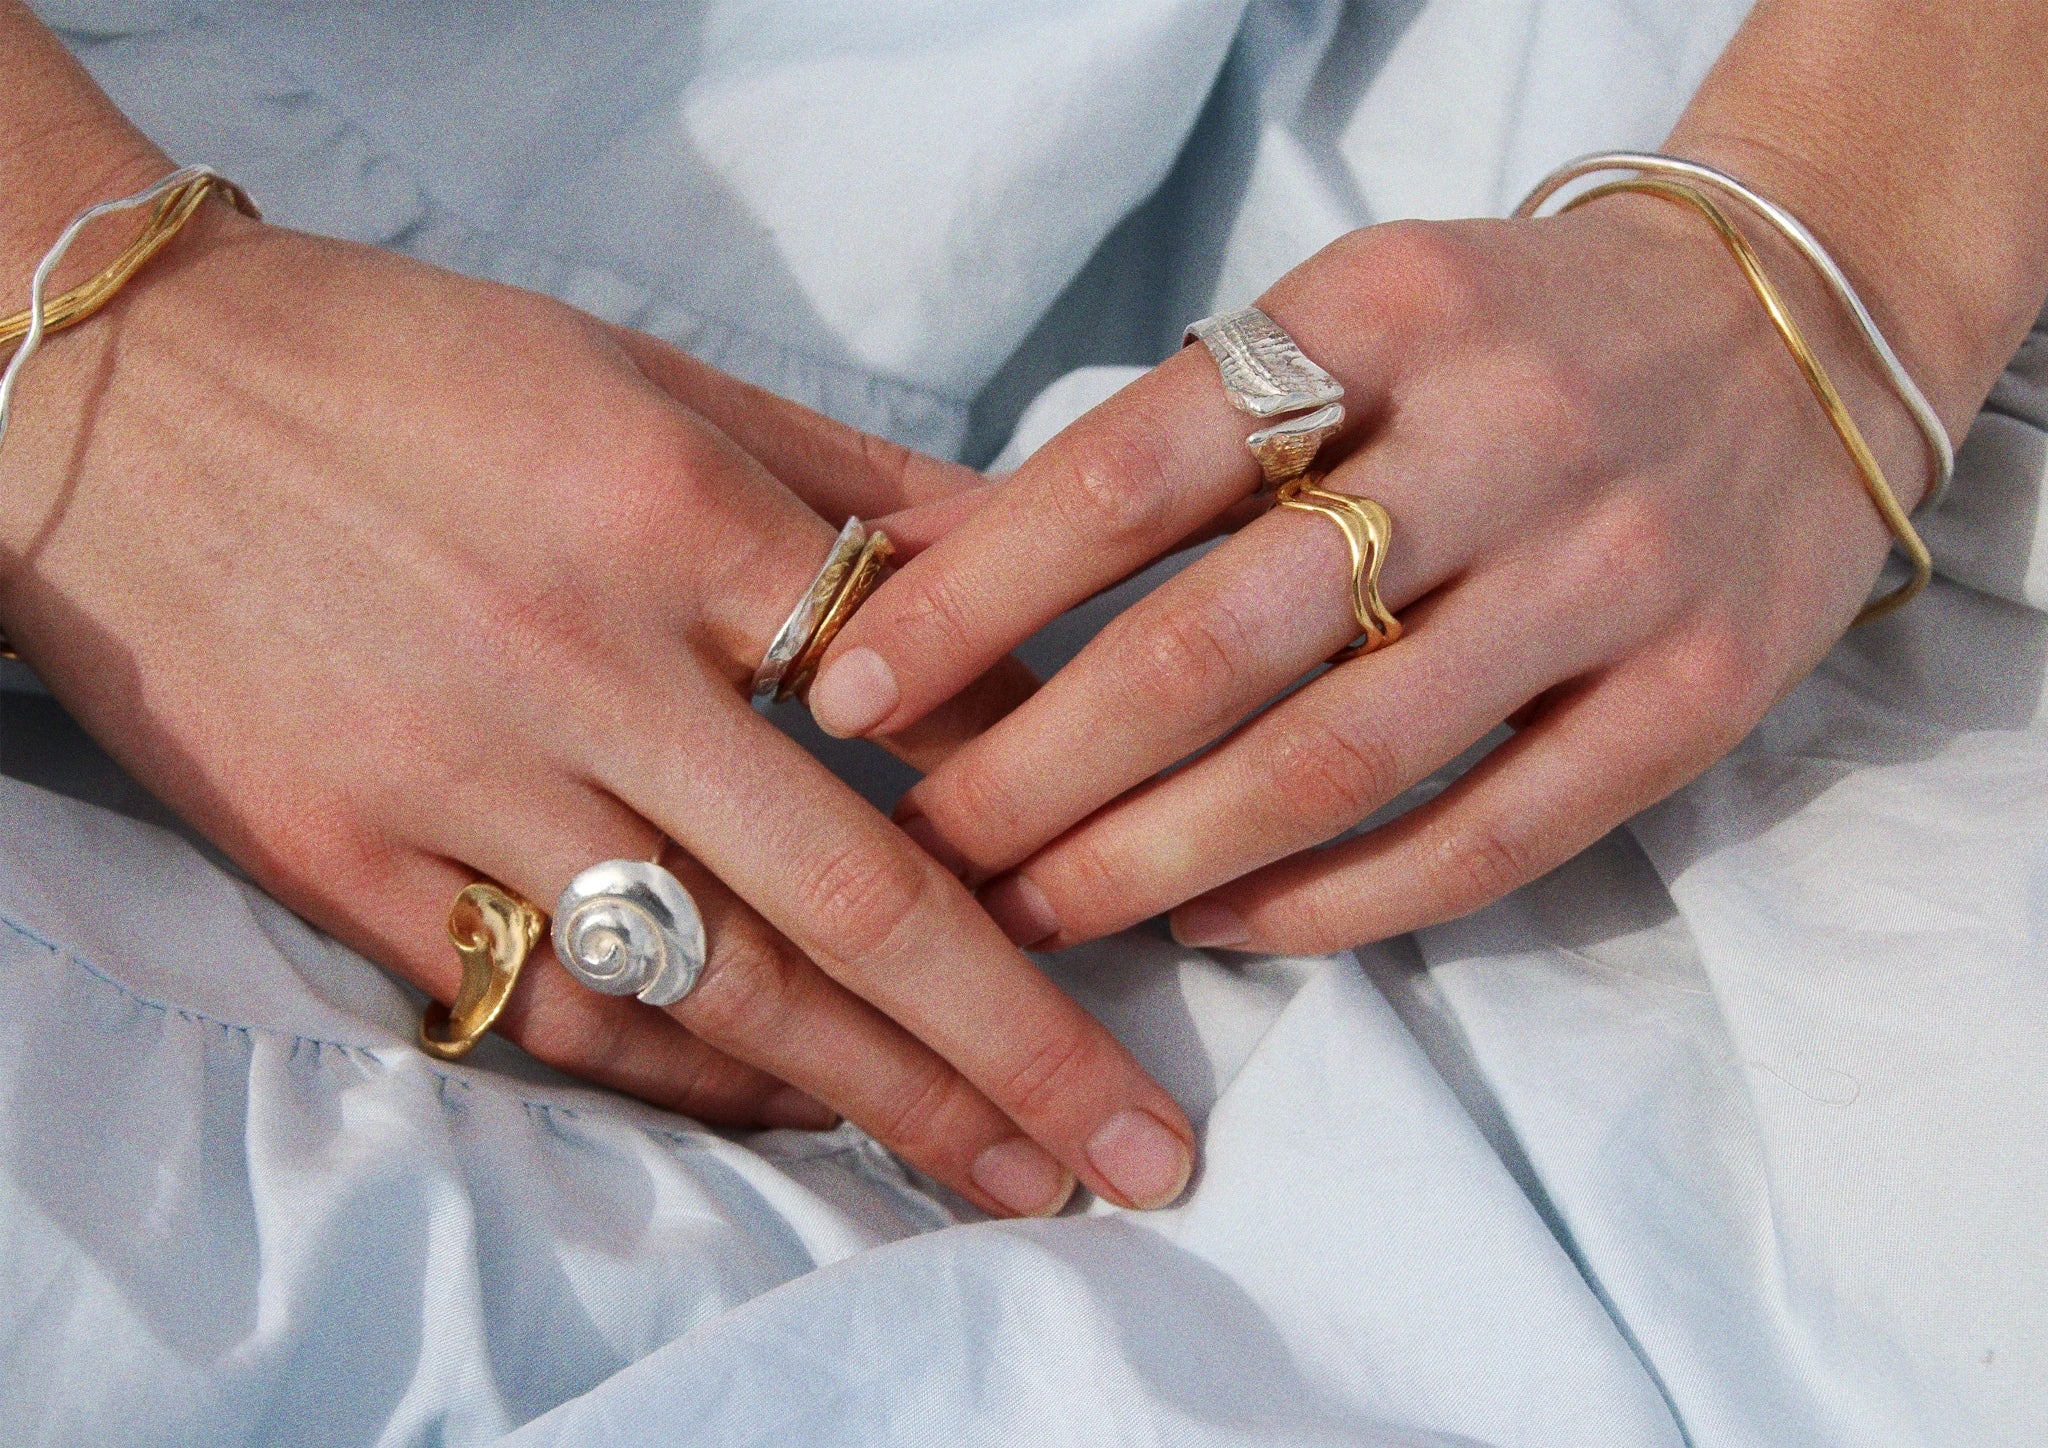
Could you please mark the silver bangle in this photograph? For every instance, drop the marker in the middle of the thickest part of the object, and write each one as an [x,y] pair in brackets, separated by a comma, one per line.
[803,620]
[1804,242]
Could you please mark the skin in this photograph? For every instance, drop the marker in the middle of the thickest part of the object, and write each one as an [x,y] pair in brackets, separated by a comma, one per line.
[386,579]
[1622,525]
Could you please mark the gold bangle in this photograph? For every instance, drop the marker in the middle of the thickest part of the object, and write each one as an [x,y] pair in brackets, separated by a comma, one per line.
[166,219]
[861,580]
[1875,484]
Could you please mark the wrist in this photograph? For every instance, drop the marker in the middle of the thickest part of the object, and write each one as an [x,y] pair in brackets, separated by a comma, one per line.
[63,147]
[1938,317]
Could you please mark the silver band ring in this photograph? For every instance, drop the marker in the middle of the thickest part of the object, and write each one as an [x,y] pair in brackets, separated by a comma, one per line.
[628,927]
[803,620]
[1268,376]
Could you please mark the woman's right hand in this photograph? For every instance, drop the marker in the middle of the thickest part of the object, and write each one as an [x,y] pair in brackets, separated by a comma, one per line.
[386,579]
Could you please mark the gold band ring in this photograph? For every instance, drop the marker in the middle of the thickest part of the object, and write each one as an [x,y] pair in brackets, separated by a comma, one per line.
[493,932]
[1368,533]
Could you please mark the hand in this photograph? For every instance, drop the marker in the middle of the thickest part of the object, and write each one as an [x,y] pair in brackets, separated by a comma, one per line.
[1621,524]
[385,578]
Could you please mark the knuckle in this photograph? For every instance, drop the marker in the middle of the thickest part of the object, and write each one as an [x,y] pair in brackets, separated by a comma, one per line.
[933,610]
[920,1111]
[859,897]
[649,473]
[514,620]
[1342,775]
[1718,682]
[1087,883]
[1438,277]
[974,807]
[1483,862]
[316,844]
[1555,409]
[1049,1075]
[1314,921]
[1181,655]
[749,993]
[1631,554]
[1119,494]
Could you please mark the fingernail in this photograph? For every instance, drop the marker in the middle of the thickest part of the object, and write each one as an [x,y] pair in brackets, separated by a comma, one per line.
[1204,922]
[926,836]
[1141,1158]
[1023,1177]
[856,692]
[1020,907]
[792,1108]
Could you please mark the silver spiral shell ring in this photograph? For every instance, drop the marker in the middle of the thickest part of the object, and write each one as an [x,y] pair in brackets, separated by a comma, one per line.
[626,927]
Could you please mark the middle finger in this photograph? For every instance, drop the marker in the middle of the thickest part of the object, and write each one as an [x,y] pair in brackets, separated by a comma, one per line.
[1181,667]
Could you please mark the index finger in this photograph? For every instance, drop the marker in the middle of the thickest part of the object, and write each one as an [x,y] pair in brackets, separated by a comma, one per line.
[1121,486]
[1115,490]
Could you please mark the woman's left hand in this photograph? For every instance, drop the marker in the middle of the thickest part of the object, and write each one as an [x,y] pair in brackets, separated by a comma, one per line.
[1620,524]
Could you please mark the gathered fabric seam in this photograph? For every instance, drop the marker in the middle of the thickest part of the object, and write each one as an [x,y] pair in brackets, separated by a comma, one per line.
[700,1139]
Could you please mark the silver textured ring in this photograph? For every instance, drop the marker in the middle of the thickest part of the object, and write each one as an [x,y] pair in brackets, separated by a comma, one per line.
[803,620]
[1268,376]
[627,927]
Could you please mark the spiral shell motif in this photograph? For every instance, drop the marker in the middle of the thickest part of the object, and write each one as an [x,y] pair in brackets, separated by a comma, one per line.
[626,927]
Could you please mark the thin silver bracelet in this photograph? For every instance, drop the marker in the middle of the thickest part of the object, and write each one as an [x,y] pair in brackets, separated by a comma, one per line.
[1941,450]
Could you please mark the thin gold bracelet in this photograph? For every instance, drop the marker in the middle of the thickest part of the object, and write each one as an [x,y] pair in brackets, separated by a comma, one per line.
[1874,481]
[167,218]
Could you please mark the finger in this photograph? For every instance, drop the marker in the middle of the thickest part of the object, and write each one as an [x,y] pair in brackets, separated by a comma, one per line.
[616,1043]
[936,738]
[840,471]
[1308,769]
[1197,656]
[1593,756]
[1123,485]
[761,1001]
[1161,681]
[895,928]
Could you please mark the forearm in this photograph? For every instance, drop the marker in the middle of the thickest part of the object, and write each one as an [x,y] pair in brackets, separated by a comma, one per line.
[1913,139]
[63,146]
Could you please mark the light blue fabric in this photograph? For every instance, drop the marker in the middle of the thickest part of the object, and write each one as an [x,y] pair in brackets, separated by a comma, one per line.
[1734,1131]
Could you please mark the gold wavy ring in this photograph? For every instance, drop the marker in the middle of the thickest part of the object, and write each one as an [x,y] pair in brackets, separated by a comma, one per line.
[1368,533]
[493,932]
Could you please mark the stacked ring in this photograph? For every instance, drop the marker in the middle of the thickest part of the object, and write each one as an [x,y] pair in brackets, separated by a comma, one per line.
[851,571]
[1267,375]
[1367,533]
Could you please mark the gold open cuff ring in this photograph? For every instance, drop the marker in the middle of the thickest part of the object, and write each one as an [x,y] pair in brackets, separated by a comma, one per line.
[1268,376]
[1368,533]
[493,932]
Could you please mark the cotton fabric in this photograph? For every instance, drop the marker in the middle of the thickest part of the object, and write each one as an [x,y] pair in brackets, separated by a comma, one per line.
[1729,1132]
